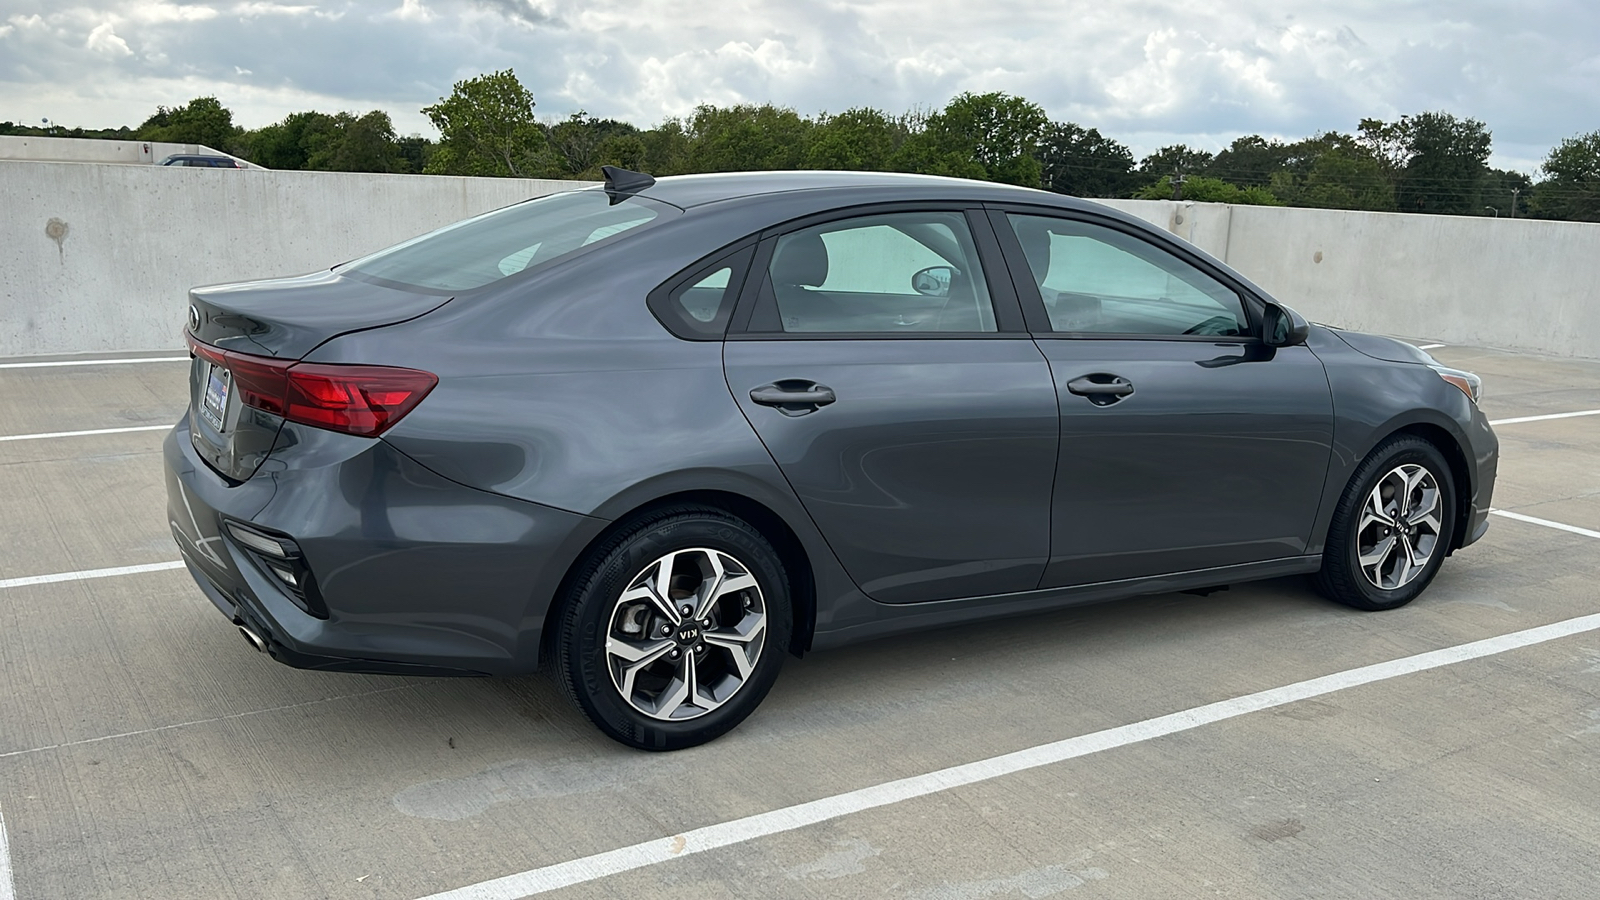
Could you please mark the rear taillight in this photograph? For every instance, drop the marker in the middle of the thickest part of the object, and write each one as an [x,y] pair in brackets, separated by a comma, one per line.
[354,399]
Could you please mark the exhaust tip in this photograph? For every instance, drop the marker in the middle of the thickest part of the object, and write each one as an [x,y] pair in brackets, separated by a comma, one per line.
[255,640]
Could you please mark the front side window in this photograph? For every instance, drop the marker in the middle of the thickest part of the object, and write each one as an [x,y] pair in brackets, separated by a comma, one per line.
[1097,280]
[892,273]
[495,245]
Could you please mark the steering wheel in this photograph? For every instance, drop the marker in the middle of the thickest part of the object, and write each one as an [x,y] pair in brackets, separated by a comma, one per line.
[1218,325]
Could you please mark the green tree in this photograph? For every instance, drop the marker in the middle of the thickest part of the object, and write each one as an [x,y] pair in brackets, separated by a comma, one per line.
[993,137]
[577,143]
[291,143]
[486,127]
[1389,144]
[365,144]
[860,139]
[747,138]
[1571,185]
[1178,159]
[627,151]
[203,120]
[414,151]
[1082,162]
[1332,171]
[1507,191]
[1447,167]
[1210,190]
[1250,161]
[666,149]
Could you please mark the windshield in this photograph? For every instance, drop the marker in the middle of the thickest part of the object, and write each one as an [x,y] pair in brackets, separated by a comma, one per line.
[487,248]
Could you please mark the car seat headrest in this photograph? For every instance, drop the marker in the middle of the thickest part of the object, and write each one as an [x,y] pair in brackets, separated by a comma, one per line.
[801,259]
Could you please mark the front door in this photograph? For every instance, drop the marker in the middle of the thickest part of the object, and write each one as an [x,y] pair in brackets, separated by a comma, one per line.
[1186,443]
[919,435]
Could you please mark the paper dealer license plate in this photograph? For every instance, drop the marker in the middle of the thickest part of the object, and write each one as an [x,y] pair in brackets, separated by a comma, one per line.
[215,404]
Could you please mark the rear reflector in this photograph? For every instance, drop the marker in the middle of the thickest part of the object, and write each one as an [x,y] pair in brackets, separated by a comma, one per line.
[359,400]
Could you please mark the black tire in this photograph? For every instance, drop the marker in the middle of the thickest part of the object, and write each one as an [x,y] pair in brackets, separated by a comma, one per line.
[1342,577]
[592,608]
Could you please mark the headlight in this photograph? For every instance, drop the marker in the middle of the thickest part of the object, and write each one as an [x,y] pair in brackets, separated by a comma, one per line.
[1470,384]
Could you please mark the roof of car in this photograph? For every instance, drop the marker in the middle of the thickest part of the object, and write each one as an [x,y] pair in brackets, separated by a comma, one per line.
[695,190]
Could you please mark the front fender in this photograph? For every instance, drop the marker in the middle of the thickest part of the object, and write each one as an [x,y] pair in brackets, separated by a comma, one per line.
[1374,399]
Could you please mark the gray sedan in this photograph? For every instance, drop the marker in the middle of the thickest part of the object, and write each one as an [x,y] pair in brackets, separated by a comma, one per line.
[656,435]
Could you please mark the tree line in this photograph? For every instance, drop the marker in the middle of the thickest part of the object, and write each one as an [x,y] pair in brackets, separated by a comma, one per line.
[1431,162]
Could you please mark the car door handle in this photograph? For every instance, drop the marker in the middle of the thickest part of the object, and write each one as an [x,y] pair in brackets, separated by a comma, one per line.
[1101,388]
[794,397]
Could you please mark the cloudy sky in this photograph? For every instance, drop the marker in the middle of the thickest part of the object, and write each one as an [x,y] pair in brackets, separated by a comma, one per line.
[1147,72]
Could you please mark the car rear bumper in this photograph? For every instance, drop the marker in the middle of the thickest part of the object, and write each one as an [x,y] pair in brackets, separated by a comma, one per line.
[419,574]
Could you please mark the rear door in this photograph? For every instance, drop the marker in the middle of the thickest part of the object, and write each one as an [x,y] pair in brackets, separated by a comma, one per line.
[1186,442]
[895,385]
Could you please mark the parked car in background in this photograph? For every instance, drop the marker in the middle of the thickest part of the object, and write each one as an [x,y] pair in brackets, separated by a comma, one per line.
[656,435]
[195,160]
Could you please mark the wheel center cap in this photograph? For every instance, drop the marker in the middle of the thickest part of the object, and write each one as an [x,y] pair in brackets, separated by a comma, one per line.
[688,633]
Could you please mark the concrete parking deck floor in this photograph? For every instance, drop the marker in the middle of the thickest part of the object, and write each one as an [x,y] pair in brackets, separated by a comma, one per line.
[147,752]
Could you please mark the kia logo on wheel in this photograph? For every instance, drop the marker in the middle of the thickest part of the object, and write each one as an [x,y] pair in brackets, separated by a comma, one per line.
[194,318]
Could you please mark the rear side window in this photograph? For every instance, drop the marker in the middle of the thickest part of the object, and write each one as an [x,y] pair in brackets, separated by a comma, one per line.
[698,304]
[499,244]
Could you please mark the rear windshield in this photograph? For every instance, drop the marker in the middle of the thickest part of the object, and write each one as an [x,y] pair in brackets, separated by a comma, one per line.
[495,245]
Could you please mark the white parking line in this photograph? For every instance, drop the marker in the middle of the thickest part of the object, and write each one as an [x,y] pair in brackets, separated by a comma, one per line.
[8,888]
[61,434]
[1432,346]
[1545,522]
[1565,415]
[87,574]
[737,831]
[92,362]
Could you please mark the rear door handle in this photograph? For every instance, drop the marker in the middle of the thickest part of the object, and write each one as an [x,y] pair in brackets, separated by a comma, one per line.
[794,397]
[1101,388]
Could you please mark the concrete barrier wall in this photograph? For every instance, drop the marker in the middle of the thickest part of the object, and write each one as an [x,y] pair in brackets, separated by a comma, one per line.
[1516,284]
[101,257]
[89,150]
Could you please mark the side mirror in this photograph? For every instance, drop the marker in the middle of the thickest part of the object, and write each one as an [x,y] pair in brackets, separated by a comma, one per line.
[1283,327]
[934,281]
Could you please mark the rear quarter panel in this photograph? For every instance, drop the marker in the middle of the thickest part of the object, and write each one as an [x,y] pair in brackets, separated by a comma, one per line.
[564,390]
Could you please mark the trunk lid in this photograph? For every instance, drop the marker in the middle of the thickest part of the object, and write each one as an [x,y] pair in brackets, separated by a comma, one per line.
[287,317]
[250,327]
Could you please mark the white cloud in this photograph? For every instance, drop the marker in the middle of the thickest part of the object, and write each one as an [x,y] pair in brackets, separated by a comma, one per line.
[413,11]
[256,8]
[103,40]
[159,11]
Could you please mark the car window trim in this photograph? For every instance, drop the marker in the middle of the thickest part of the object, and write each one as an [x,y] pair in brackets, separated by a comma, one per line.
[1010,323]
[1033,308]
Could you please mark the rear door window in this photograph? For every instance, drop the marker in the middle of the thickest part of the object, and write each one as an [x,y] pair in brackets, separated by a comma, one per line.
[892,273]
[499,244]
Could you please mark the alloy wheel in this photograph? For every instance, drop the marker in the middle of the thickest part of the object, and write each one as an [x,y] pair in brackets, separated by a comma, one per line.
[685,635]
[1399,528]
